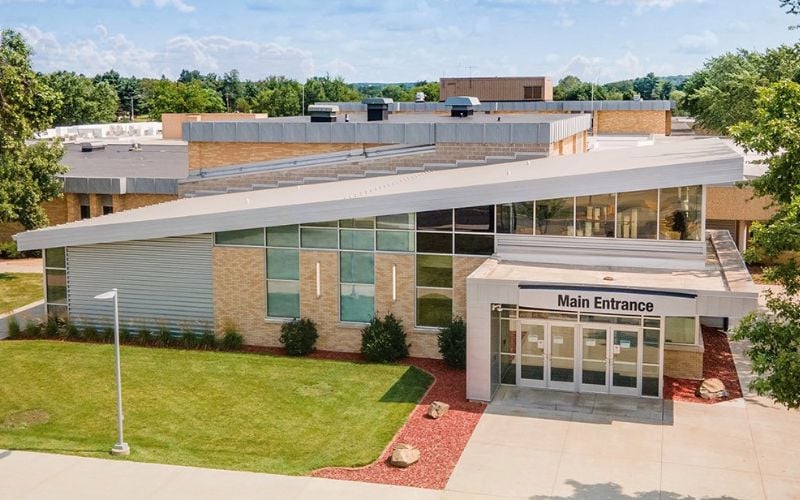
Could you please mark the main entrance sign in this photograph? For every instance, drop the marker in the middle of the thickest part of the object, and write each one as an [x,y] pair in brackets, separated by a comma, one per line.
[608,300]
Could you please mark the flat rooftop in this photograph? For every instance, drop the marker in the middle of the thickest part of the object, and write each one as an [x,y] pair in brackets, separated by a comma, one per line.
[154,161]
[442,117]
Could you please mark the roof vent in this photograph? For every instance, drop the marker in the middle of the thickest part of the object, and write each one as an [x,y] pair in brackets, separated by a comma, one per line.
[323,113]
[462,106]
[88,147]
[377,108]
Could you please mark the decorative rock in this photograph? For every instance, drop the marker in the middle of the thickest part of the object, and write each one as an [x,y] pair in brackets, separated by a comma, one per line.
[711,388]
[437,409]
[404,455]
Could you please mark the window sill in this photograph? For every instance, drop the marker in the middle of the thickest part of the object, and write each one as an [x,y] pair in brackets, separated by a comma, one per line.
[684,347]
[352,325]
[277,321]
[425,330]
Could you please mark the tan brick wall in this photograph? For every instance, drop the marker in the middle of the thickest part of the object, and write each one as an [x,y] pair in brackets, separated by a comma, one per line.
[683,364]
[55,209]
[240,294]
[632,122]
[172,123]
[218,154]
[463,267]
[733,203]
[138,200]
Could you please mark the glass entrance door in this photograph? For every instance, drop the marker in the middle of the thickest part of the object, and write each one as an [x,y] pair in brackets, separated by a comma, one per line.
[532,342]
[561,356]
[625,360]
[594,359]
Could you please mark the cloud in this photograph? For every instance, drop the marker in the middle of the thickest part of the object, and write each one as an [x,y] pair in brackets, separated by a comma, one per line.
[179,5]
[563,20]
[702,43]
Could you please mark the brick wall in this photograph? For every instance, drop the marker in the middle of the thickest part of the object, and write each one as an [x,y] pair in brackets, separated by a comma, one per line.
[733,203]
[683,364]
[240,297]
[218,154]
[632,122]
[55,209]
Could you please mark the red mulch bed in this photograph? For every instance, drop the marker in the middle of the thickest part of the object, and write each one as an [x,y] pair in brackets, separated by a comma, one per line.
[440,441]
[717,363]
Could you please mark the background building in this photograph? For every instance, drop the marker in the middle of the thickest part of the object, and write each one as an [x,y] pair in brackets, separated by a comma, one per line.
[505,88]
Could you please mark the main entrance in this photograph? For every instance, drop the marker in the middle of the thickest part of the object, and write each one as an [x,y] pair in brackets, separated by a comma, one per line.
[585,357]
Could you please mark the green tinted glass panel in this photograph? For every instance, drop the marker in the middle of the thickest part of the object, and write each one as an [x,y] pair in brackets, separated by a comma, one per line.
[651,346]
[283,264]
[283,299]
[283,236]
[56,286]
[435,271]
[435,242]
[396,241]
[357,267]
[353,239]
[358,223]
[55,257]
[679,330]
[434,307]
[243,237]
[357,303]
[397,221]
[319,238]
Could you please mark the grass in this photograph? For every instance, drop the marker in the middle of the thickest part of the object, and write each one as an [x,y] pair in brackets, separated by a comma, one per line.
[19,289]
[210,409]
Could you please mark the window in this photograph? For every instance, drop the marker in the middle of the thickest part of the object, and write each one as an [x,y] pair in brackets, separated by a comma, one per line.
[283,236]
[533,92]
[86,210]
[594,215]
[555,217]
[283,283]
[474,244]
[434,290]
[107,203]
[475,219]
[680,330]
[435,242]
[436,220]
[399,221]
[357,286]
[56,281]
[638,212]
[681,212]
[312,237]
[515,218]
[241,237]
[355,239]
[395,233]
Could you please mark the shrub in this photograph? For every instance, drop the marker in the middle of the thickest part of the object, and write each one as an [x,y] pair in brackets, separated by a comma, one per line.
[163,337]
[143,337]
[231,339]
[33,329]
[299,336]
[207,341]
[90,334]
[14,330]
[189,340]
[71,332]
[52,327]
[384,340]
[107,335]
[125,334]
[452,340]
[8,250]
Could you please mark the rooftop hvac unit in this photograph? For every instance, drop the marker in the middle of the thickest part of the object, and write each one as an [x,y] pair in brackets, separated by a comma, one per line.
[377,108]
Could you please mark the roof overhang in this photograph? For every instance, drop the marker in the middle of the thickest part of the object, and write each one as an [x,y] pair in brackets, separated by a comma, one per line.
[668,164]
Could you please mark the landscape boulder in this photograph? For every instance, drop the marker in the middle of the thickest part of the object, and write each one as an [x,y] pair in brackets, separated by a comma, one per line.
[711,389]
[437,409]
[404,455]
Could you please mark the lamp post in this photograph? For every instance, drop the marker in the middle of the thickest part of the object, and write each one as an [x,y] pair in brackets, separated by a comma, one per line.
[121,447]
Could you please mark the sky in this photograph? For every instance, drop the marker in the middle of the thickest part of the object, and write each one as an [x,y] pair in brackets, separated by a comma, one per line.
[393,40]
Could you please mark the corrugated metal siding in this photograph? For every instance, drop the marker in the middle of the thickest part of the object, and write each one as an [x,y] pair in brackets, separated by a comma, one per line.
[164,281]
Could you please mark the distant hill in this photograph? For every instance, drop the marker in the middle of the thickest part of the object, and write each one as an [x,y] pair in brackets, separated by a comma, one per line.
[675,80]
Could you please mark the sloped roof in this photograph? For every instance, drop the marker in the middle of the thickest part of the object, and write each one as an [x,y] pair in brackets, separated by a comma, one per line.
[665,164]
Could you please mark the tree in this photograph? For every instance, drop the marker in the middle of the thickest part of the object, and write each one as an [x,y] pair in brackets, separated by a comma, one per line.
[721,94]
[83,100]
[27,105]
[647,86]
[430,89]
[397,93]
[774,337]
[160,96]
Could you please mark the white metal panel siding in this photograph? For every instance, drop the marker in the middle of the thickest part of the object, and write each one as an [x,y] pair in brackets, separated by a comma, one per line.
[164,281]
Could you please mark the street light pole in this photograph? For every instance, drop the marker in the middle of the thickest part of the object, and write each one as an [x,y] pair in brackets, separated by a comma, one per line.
[121,448]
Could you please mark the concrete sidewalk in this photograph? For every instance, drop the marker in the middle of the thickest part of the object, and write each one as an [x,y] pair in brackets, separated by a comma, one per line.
[21,266]
[26,475]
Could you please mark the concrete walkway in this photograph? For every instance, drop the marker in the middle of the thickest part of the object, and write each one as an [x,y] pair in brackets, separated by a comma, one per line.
[21,266]
[40,476]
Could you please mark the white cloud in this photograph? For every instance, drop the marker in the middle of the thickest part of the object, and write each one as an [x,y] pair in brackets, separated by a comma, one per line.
[179,5]
[701,43]
[563,20]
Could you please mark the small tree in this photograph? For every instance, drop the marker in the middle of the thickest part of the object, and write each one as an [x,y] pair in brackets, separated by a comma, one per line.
[384,340]
[299,336]
[452,340]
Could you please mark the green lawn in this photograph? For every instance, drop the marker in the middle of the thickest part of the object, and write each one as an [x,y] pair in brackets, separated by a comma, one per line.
[19,289]
[211,409]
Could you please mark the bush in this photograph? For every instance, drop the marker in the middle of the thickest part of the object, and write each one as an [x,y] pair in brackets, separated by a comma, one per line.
[452,340]
[33,329]
[207,341]
[163,337]
[107,335]
[189,340]
[71,332]
[143,337]
[90,334]
[8,250]
[384,340]
[124,335]
[14,330]
[52,327]
[299,336]
[232,340]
